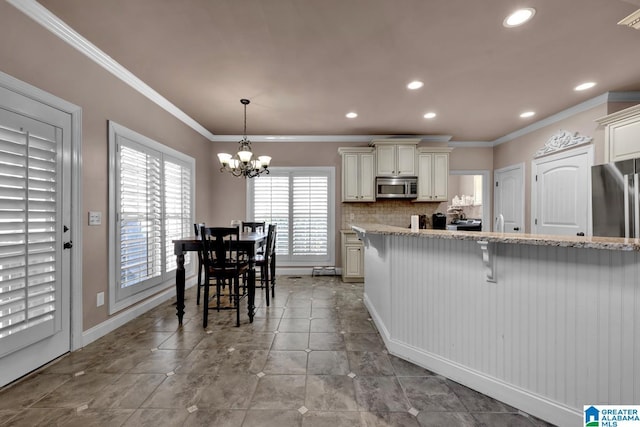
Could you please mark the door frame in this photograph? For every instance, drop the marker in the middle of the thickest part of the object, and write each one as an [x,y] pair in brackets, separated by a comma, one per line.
[75,163]
[496,172]
[487,195]
[585,149]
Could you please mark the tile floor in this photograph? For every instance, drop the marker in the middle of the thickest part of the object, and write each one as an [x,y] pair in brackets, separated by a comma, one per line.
[313,358]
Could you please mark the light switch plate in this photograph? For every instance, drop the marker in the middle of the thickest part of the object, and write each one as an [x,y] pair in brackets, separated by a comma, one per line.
[99,299]
[95,218]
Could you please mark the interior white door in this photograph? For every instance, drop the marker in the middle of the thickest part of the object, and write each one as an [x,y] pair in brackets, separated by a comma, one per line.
[561,191]
[35,286]
[509,198]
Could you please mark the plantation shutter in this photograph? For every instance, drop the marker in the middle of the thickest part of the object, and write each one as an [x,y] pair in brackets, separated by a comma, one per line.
[310,215]
[298,200]
[177,202]
[140,215]
[271,204]
[151,205]
[29,210]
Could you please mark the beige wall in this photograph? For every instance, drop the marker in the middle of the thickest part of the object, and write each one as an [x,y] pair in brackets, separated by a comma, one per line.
[522,150]
[471,159]
[229,194]
[32,54]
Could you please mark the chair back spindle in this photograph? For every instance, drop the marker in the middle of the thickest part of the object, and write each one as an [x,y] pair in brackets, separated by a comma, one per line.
[253,226]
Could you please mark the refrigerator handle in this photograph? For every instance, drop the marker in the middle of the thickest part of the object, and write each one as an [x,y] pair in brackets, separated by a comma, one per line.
[626,206]
[636,205]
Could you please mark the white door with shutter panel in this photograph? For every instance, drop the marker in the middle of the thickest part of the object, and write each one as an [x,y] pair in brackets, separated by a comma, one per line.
[509,198]
[561,193]
[34,269]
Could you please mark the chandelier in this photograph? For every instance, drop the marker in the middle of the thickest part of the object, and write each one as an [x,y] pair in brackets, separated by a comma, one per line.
[241,164]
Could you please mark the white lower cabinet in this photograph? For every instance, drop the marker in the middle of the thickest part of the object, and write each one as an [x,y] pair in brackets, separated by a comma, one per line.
[352,257]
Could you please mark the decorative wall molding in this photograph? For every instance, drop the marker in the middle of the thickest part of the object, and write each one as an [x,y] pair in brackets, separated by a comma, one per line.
[561,141]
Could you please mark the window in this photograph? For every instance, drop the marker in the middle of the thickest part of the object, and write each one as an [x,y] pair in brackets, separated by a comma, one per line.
[301,201]
[151,202]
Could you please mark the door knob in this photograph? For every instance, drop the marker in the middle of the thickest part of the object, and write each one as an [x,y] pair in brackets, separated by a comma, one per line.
[580,234]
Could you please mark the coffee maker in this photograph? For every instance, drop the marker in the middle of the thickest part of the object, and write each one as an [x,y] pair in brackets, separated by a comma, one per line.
[439,221]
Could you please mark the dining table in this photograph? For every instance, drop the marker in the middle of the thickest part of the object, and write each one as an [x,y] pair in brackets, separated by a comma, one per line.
[247,242]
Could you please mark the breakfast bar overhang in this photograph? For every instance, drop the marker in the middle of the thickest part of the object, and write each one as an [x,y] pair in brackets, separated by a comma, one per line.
[546,324]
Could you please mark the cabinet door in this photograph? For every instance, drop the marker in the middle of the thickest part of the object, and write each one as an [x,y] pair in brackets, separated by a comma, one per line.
[425,177]
[367,178]
[386,155]
[353,267]
[623,139]
[406,160]
[440,176]
[350,177]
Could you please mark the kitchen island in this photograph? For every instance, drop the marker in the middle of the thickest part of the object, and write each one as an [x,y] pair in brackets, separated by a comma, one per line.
[544,323]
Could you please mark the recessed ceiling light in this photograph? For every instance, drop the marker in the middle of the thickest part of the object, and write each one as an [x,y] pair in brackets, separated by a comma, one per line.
[527,114]
[352,115]
[519,17]
[416,84]
[429,115]
[585,86]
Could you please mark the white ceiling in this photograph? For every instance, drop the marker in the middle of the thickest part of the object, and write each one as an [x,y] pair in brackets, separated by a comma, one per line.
[305,63]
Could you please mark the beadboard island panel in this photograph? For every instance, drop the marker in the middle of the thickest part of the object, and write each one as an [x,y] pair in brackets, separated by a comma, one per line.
[546,328]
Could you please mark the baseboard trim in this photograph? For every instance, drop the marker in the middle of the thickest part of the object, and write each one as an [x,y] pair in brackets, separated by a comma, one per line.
[301,271]
[524,400]
[114,322]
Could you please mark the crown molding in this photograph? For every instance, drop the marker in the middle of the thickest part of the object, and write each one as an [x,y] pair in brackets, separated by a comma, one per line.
[632,21]
[619,115]
[51,22]
[576,109]
[330,138]
[470,144]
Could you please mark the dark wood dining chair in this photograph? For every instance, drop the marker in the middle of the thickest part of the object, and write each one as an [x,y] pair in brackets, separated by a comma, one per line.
[266,261]
[224,268]
[196,229]
[253,226]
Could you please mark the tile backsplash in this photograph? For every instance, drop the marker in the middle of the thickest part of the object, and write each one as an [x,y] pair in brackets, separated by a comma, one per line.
[389,212]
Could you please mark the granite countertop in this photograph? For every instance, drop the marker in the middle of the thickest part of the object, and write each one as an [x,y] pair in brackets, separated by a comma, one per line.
[610,243]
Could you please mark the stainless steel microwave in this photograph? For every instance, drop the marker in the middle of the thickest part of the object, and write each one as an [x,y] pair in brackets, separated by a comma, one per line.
[397,188]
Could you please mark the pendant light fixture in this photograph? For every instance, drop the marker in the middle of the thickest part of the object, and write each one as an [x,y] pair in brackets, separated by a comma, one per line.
[242,164]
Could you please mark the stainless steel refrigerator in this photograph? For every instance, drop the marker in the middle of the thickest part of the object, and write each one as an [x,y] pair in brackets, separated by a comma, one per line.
[615,199]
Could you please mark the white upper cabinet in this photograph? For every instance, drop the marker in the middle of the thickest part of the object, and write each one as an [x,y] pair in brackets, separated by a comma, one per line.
[433,174]
[396,157]
[622,134]
[358,174]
